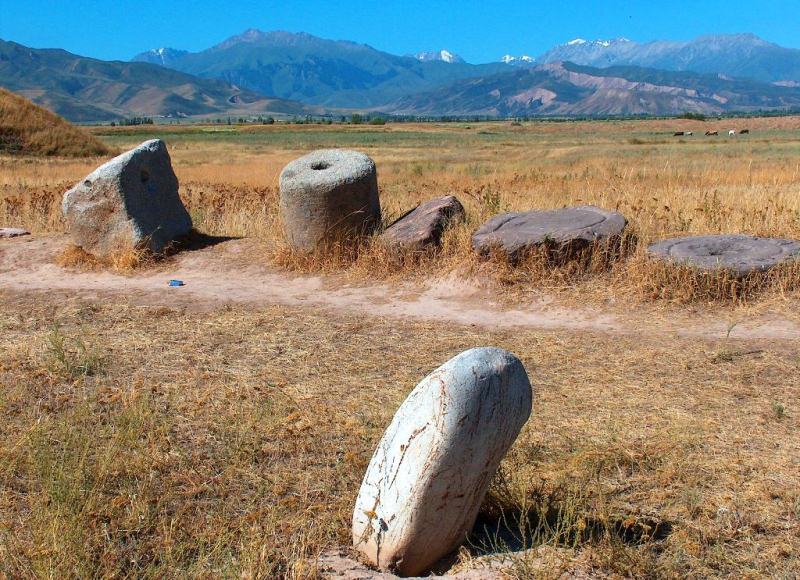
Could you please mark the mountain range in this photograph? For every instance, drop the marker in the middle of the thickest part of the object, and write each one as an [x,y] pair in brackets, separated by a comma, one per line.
[85,89]
[567,89]
[299,74]
[735,55]
[330,73]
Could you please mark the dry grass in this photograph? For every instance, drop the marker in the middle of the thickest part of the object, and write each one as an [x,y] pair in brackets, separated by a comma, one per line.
[158,442]
[666,187]
[125,260]
[27,129]
[161,442]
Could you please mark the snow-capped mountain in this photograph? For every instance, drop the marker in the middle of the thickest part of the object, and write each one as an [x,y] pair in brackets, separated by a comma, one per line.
[441,55]
[523,60]
[734,55]
[162,56]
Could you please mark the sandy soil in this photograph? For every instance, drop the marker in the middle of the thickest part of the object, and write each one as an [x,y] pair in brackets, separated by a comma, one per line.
[231,272]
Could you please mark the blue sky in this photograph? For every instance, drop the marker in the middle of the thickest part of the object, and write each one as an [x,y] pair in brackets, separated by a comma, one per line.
[480,31]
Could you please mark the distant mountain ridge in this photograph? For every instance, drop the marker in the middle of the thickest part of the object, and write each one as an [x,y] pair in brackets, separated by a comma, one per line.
[331,73]
[567,89]
[734,55]
[85,89]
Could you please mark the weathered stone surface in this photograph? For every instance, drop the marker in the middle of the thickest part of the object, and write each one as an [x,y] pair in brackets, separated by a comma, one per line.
[424,225]
[425,484]
[738,254]
[131,201]
[13,232]
[327,196]
[569,229]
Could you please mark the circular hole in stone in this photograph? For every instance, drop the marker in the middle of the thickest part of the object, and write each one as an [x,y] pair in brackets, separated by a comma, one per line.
[144,176]
[87,183]
[320,165]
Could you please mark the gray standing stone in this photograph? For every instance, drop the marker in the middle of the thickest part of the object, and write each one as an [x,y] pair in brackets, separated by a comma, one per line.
[13,232]
[738,254]
[429,475]
[424,225]
[567,230]
[130,202]
[328,196]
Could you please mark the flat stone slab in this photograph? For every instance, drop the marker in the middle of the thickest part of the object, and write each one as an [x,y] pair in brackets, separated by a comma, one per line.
[569,229]
[328,196]
[13,232]
[738,254]
[424,225]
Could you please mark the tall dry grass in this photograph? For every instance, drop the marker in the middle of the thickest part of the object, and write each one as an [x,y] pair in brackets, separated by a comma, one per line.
[666,187]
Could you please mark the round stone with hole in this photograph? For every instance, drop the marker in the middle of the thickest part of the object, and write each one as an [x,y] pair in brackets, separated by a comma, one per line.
[329,196]
[738,254]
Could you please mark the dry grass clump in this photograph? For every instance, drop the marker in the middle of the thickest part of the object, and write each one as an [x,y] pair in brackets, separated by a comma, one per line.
[28,129]
[161,442]
[124,260]
[658,280]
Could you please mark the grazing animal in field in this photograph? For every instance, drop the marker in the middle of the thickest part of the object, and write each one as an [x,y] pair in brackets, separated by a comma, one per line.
[712,133]
[680,133]
[689,133]
[732,132]
[744,132]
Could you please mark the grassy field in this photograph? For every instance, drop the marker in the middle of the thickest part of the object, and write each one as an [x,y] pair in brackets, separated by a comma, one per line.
[231,441]
[665,186]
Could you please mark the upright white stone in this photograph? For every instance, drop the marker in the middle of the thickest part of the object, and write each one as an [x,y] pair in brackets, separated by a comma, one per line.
[432,468]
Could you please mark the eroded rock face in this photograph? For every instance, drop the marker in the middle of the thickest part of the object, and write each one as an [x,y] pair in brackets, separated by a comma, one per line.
[424,225]
[130,202]
[568,230]
[327,196]
[432,468]
[738,254]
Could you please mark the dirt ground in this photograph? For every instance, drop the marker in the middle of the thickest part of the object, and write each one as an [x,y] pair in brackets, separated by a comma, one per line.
[222,428]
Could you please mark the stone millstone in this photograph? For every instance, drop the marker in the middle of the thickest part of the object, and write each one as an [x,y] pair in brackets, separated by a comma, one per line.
[424,225]
[429,475]
[569,229]
[130,202]
[738,254]
[328,196]
[13,232]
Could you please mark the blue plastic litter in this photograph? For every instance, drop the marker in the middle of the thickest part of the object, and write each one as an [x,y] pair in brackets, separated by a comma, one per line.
[176,283]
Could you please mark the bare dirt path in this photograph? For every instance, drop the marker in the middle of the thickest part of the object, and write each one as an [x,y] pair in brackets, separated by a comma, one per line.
[231,273]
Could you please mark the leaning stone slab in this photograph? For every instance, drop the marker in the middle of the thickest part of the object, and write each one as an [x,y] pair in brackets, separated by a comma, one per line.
[738,254]
[130,202]
[429,475]
[13,232]
[569,229]
[424,225]
[328,196]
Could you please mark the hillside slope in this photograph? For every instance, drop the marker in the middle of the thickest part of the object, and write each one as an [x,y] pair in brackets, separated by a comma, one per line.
[26,128]
[566,89]
[86,89]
